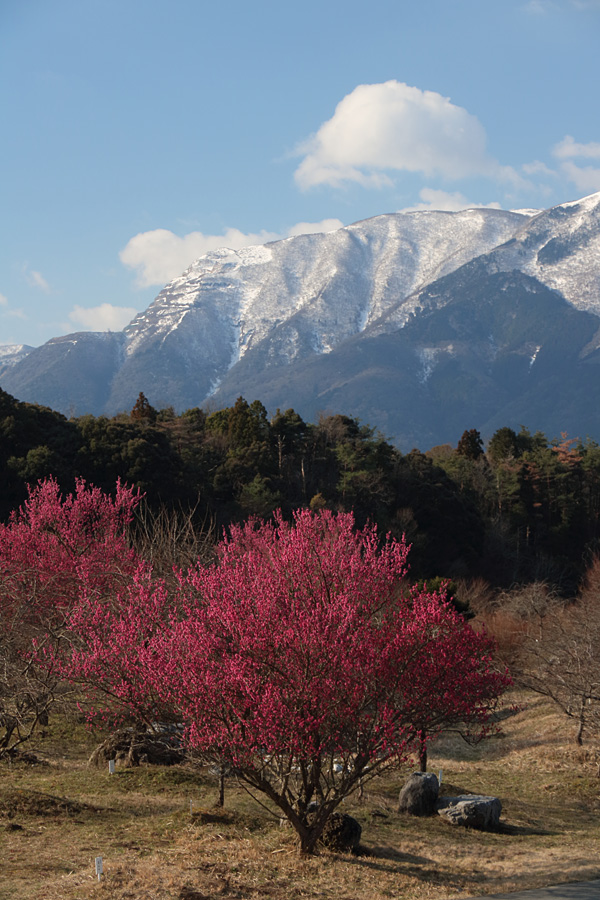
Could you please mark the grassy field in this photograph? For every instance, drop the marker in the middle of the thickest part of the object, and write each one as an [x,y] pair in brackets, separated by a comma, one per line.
[57,816]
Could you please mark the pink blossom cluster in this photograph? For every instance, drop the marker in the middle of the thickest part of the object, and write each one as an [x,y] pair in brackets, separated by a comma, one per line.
[54,546]
[299,657]
[299,641]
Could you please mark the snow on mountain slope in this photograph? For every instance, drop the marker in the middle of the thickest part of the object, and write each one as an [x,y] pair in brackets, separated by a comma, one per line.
[11,354]
[318,289]
[235,316]
[561,248]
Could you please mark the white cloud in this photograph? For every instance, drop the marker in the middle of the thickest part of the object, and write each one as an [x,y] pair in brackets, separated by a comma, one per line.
[446,202]
[159,256]
[542,7]
[585,178]
[7,311]
[379,128]
[539,7]
[314,227]
[37,280]
[102,318]
[538,168]
[16,314]
[568,148]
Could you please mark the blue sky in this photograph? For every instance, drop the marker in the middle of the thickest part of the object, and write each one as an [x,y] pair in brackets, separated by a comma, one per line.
[137,134]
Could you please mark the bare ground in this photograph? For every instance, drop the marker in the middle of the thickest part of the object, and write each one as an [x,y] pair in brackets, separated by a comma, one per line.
[56,817]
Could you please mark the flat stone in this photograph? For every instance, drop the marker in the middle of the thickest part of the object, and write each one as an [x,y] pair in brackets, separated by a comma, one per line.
[471,811]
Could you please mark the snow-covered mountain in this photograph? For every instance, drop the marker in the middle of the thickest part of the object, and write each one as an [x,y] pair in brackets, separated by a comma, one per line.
[11,354]
[559,247]
[327,287]
[277,318]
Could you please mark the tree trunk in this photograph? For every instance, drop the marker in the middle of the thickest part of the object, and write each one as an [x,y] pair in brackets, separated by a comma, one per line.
[579,735]
[221,800]
[422,752]
[308,844]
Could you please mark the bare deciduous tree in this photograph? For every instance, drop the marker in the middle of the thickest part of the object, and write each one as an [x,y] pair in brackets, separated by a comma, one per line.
[559,656]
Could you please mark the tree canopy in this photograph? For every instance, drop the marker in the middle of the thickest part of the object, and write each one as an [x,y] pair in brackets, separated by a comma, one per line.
[297,658]
[524,507]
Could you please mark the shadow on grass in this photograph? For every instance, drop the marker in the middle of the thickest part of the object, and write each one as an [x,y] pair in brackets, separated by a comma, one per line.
[379,851]
[378,858]
[27,802]
[524,830]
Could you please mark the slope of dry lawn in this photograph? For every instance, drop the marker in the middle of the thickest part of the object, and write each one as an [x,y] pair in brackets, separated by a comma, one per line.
[56,817]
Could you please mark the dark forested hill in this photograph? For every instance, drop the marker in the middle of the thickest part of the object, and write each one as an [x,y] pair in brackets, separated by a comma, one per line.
[522,508]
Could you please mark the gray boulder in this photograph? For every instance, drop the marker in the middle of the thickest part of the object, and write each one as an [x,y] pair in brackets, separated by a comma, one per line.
[471,811]
[419,795]
[341,833]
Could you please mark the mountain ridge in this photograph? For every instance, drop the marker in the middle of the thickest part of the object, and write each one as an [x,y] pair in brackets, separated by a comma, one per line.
[266,315]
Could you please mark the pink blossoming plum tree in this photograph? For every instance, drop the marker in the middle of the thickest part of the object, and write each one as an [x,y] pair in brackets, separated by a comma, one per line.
[297,659]
[52,550]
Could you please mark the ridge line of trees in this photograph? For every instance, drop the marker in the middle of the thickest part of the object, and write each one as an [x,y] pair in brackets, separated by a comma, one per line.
[522,509]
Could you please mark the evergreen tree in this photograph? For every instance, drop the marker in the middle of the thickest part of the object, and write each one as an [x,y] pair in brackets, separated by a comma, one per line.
[143,411]
[470,444]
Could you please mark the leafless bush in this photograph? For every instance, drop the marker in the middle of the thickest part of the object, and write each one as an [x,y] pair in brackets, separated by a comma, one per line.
[559,655]
[475,594]
[171,538]
[134,745]
[28,692]
[508,632]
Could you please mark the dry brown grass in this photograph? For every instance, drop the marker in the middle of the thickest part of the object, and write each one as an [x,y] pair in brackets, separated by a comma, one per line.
[55,819]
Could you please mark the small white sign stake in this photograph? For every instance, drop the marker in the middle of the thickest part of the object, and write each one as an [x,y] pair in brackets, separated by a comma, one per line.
[111,767]
[99,867]
[440,776]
